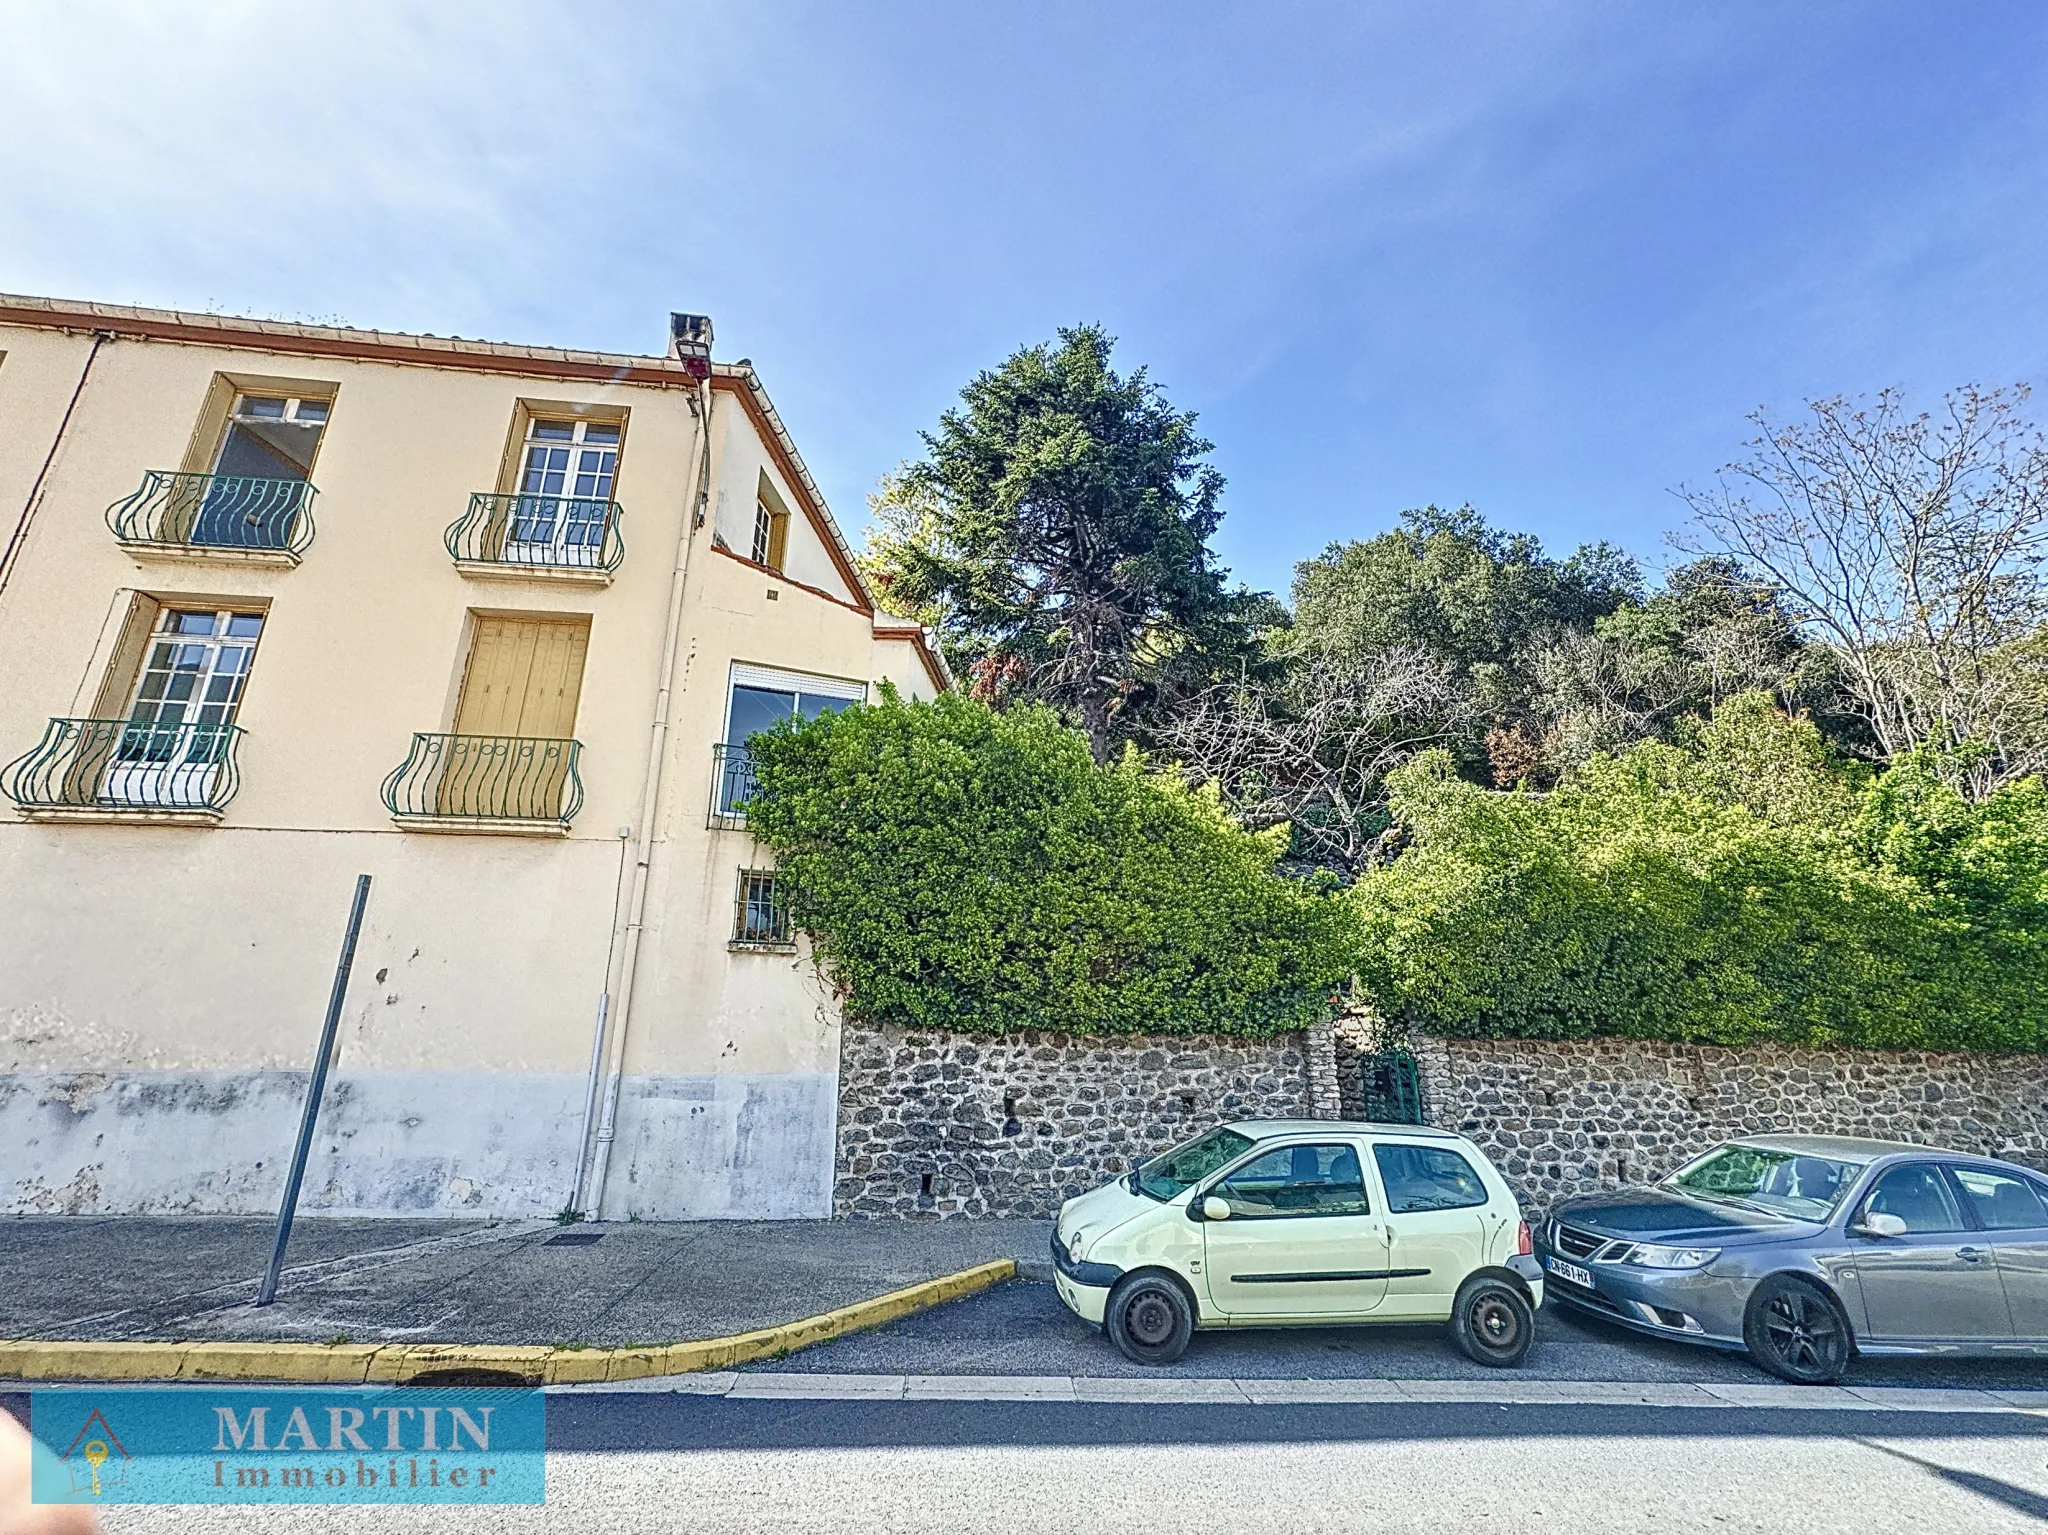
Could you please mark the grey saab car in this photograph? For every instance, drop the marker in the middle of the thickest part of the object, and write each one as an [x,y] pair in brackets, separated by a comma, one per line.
[1806,1250]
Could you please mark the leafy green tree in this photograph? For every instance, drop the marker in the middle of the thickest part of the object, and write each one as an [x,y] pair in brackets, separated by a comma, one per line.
[965,868]
[1057,532]
[1469,596]
[1450,581]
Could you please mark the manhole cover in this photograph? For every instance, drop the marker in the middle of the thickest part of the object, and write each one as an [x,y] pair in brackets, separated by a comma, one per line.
[574,1239]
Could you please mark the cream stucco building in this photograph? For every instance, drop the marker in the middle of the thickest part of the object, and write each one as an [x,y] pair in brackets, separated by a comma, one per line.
[494,660]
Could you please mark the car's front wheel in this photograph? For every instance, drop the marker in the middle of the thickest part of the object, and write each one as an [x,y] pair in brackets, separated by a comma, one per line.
[1492,1322]
[1149,1318]
[1796,1332]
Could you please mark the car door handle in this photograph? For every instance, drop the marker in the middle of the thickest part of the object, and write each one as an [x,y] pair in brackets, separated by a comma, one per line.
[1971,1254]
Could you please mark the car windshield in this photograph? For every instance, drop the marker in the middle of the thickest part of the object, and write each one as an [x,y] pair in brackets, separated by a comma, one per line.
[1182,1168]
[1782,1183]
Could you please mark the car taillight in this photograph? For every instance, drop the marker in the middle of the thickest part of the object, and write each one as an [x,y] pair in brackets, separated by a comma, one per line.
[1524,1247]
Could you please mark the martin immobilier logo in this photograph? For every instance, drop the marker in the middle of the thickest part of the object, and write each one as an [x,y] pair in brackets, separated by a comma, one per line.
[289,1444]
[391,1447]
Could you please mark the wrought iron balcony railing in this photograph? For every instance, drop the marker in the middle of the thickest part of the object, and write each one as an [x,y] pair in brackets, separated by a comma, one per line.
[732,785]
[549,533]
[487,778]
[126,765]
[216,511]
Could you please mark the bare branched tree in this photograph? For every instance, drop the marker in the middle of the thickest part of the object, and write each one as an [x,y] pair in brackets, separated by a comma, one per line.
[1913,545]
[1635,676]
[1601,694]
[1314,747]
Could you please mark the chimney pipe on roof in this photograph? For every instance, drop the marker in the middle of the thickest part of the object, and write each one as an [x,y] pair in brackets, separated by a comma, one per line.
[689,342]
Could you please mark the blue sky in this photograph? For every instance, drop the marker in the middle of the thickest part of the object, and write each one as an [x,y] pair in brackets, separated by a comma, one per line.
[1538,257]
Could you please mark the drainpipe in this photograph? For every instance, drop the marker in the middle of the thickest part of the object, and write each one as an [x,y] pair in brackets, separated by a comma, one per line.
[657,756]
[604,1008]
[12,553]
[595,1081]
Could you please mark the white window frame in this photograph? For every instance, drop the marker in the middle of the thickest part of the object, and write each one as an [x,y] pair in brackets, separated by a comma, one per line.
[733,782]
[176,765]
[293,406]
[744,674]
[532,511]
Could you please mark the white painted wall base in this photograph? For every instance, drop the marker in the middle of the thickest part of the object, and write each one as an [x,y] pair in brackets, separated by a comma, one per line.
[735,1147]
[410,1143]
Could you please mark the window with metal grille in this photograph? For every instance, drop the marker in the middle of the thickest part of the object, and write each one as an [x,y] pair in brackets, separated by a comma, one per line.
[760,909]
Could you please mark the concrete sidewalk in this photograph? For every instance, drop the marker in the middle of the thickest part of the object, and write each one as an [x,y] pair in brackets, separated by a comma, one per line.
[416,1281]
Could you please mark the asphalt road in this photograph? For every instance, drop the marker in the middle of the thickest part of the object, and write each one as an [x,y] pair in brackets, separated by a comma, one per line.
[1021,1328]
[647,1462]
[847,1459]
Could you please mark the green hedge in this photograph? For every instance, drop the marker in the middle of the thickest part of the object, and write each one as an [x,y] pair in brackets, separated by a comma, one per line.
[1740,886]
[960,868]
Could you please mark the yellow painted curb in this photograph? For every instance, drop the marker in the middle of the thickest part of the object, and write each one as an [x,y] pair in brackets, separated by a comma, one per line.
[355,1364]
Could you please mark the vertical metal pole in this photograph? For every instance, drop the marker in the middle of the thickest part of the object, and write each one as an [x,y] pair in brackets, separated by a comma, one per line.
[267,1291]
[604,1010]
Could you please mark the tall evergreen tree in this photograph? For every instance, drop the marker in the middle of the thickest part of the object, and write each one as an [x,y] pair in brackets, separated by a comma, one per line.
[1057,533]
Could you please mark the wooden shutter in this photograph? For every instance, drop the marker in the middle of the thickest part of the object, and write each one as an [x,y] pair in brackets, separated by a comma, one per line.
[548,705]
[525,676]
[524,679]
[117,687]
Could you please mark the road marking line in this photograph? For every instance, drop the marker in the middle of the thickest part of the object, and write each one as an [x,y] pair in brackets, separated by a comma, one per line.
[1295,1392]
[1930,1399]
[792,1385]
[989,1388]
[1743,1394]
[818,1387]
[1186,1389]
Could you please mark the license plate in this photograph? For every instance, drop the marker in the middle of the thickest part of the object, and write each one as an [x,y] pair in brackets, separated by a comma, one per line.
[1572,1272]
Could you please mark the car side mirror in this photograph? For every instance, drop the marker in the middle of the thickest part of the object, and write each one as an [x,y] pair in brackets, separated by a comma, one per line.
[1875,1223]
[1214,1209]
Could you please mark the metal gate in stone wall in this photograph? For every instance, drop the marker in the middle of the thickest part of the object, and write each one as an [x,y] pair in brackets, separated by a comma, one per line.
[1391,1083]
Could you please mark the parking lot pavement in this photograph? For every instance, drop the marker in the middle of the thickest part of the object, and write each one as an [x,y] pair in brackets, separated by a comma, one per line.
[1021,1328]
[461,1282]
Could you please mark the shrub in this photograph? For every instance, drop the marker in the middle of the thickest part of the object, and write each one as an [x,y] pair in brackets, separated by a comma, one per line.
[1740,886]
[960,868]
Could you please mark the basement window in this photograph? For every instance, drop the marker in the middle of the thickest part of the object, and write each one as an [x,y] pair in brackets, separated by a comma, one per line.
[761,911]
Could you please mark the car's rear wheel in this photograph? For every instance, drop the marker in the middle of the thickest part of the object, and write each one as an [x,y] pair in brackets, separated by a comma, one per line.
[1492,1322]
[1149,1318]
[1796,1331]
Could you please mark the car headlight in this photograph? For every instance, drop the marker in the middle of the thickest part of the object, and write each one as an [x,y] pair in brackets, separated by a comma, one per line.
[1648,1255]
[1074,1245]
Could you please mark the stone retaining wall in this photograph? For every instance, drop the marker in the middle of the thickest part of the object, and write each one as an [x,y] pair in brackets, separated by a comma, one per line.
[1569,1117]
[938,1125]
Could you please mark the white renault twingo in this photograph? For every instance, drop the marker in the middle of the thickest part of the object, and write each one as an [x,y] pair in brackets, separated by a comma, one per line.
[1291,1222]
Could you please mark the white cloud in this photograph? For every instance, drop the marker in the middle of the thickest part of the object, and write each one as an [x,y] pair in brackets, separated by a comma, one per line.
[418,166]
